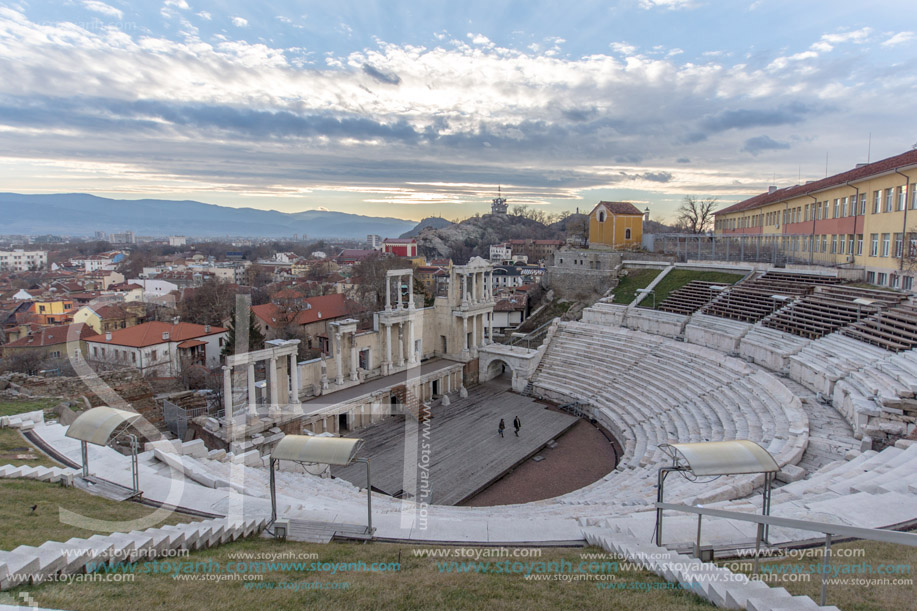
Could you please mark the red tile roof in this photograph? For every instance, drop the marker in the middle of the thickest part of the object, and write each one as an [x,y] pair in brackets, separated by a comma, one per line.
[150,334]
[866,171]
[191,343]
[327,307]
[619,208]
[50,336]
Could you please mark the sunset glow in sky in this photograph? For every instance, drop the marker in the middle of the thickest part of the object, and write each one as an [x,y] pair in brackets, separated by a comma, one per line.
[412,109]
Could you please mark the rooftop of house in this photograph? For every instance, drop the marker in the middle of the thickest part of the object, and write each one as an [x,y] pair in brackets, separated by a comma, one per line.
[153,333]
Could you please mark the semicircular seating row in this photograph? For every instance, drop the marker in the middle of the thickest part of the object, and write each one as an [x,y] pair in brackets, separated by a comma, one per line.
[650,390]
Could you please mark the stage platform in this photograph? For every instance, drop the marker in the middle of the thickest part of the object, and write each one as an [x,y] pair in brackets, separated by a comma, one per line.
[458,452]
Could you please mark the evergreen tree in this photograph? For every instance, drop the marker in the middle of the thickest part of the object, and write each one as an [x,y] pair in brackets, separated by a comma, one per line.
[255,336]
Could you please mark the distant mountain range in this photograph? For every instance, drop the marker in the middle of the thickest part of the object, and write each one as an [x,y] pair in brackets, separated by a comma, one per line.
[84,214]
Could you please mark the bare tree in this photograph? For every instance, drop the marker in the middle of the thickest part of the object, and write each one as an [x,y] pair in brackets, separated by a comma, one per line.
[695,215]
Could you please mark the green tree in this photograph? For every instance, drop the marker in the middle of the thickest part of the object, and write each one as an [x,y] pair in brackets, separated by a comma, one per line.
[255,336]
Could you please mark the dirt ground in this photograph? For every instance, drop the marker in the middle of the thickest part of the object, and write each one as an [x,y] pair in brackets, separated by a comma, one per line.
[582,456]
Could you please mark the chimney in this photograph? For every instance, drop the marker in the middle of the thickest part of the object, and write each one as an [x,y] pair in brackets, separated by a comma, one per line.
[771,189]
[206,328]
[108,336]
[165,336]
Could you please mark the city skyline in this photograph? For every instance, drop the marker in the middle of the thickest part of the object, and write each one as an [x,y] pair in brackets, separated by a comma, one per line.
[409,111]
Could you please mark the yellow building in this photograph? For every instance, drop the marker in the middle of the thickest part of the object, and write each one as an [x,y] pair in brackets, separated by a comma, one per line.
[865,217]
[615,225]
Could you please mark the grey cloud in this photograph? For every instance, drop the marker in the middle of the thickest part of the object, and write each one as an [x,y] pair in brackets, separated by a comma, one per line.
[389,78]
[683,160]
[744,118]
[579,114]
[657,176]
[763,143]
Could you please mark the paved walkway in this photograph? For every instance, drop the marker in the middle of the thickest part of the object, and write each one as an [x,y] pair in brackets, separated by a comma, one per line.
[458,451]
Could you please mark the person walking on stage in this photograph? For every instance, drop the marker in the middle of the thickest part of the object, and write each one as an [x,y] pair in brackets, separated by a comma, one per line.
[501,427]
[517,424]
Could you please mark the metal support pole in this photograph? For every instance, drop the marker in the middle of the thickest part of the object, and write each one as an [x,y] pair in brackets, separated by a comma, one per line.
[824,569]
[84,452]
[369,497]
[272,466]
[660,484]
[697,543]
[135,466]
[758,537]
[766,502]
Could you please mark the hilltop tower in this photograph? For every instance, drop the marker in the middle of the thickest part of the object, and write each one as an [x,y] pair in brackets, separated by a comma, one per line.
[499,204]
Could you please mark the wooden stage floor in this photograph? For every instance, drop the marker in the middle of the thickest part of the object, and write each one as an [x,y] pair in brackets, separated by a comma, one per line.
[458,452]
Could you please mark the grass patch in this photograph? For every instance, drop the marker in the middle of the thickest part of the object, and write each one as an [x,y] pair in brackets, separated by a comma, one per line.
[848,592]
[635,280]
[21,406]
[677,278]
[418,583]
[23,526]
[17,450]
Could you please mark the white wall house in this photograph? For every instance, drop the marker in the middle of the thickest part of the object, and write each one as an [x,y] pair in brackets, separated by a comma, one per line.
[158,348]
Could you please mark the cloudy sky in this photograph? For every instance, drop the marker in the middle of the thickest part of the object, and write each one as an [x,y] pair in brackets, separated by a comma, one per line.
[412,109]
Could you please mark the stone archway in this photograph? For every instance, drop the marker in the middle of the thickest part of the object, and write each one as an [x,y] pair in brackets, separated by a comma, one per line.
[495,359]
[496,369]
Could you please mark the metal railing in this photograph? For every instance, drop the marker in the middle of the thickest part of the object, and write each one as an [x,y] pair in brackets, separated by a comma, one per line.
[775,249]
[827,529]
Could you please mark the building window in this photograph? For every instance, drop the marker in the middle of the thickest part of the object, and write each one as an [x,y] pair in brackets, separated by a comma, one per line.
[902,199]
[601,216]
[899,245]
[893,280]
[153,355]
[871,277]
[876,201]
[907,283]
[862,204]
[874,245]
[837,207]
[913,197]
[886,243]
[889,199]
[133,357]
[627,234]
[859,244]
[844,207]
[881,278]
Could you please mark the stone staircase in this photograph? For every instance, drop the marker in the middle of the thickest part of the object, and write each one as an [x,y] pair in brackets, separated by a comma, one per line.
[718,585]
[29,565]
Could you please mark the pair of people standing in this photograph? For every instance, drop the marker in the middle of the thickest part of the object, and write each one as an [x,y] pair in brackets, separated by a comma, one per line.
[517,424]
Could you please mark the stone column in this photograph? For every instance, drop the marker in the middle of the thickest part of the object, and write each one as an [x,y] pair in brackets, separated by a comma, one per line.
[272,381]
[388,293]
[465,332]
[411,293]
[401,345]
[338,359]
[294,377]
[490,323]
[388,344]
[398,291]
[413,350]
[464,283]
[252,397]
[474,331]
[474,287]
[353,357]
[227,390]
